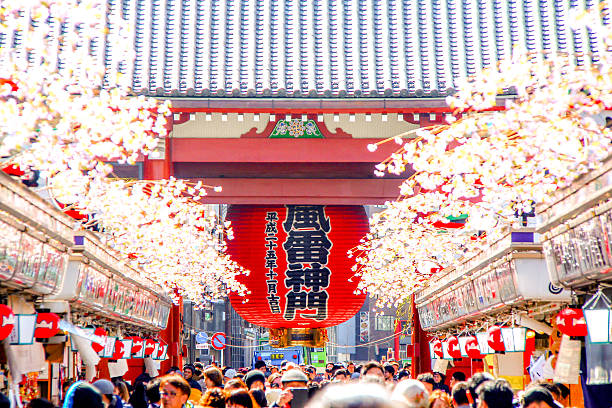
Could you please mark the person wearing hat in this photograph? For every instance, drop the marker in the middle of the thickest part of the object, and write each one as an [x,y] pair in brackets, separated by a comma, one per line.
[255,380]
[539,397]
[107,389]
[230,373]
[81,394]
[411,394]
[293,378]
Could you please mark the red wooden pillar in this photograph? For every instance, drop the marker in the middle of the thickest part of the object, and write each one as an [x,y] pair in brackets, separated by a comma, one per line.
[421,360]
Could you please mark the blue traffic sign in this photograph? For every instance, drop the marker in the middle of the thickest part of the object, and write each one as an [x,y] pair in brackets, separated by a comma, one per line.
[201,338]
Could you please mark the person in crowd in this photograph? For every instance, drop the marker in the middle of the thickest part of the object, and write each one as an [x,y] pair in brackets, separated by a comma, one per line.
[310,372]
[459,395]
[255,380]
[4,401]
[294,378]
[213,398]
[341,376]
[235,384]
[174,370]
[395,366]
[121,390]
[402,374]
[456,377]
[81,394]
[240,399]
[475,381]
[174,391]
[40,403]
[373,368]
[439,384]
[350,366]
[188,373]
[352,396]
[213,378]
[274,380]
[229,374]
[107,389]
[261,366]
[410,393]
[564,394]
[539,397]
[138,399]
[259,396]
[428,381]
[495,394]
[389,373]
[439,399]
[153,395]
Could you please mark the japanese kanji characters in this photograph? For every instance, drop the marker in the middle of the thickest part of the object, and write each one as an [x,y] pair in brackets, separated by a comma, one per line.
[307,248]
[270,261]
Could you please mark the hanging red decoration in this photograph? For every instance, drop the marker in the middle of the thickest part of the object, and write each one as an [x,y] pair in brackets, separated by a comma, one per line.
[47,325]
[13,170]
[149,346]
[137,344]
[301,275]
[7,321]
[437,348]
[471,348]
[495,339]
[98,347]
[452,347]
[119,350]
[571,322]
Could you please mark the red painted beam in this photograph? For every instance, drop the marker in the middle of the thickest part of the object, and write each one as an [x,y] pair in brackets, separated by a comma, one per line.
[261,150]
[301,105]
[303,191]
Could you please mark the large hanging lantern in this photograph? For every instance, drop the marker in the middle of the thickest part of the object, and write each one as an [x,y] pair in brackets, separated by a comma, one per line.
[301,275]
[571,322]
[7,321]
[495,338]
[597,311]
[452,347]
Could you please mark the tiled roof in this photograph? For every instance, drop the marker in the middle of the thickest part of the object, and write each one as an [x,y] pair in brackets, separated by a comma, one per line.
[334,48]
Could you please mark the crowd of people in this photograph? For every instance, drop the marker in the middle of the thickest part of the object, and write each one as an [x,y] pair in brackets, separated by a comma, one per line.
[371,385]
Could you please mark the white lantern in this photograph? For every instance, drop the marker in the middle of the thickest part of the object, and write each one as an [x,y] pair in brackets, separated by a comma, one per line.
[515,338]
[597,313]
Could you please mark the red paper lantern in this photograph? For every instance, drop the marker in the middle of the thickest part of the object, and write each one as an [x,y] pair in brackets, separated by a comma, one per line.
[149,346]
[47,325]
[571,322]
[495,339]
[437,348]
[301,275]
[471,348]
[7,321]
[119,350]
[137,344]
[452,347]
[98,347]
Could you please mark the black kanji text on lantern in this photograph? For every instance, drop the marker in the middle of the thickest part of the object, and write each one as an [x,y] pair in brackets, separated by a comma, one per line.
[270,262]
[307,249]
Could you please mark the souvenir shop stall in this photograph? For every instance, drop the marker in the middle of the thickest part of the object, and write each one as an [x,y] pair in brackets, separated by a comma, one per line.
[576,229]
[488,313]
[69,308]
